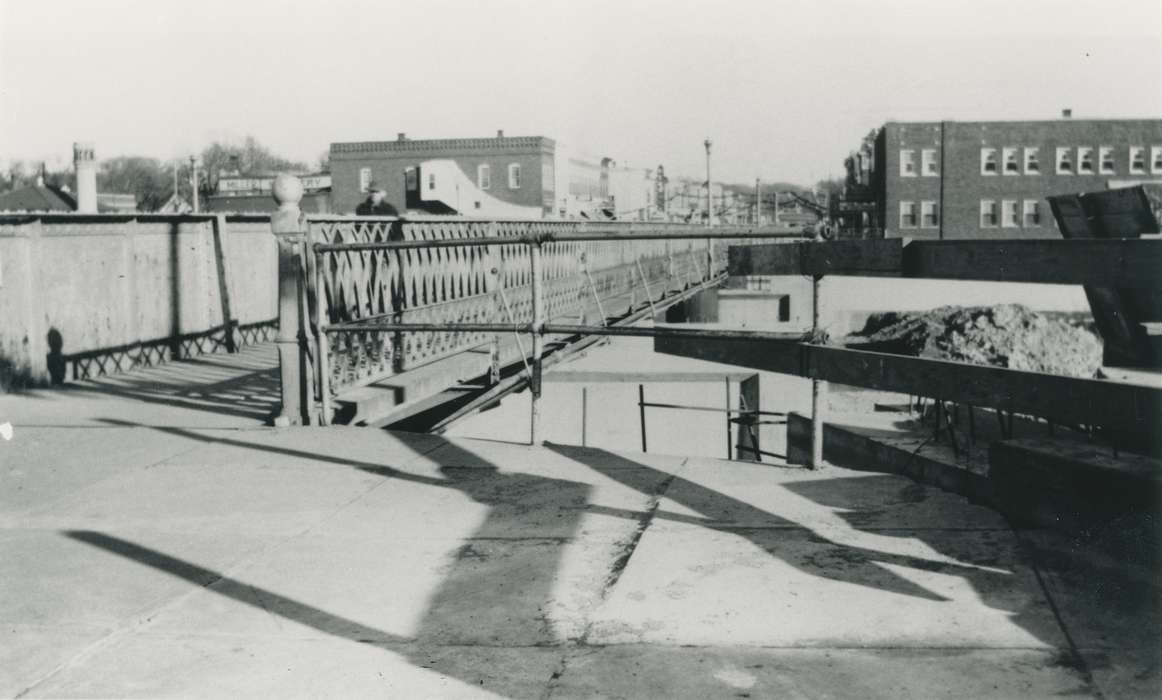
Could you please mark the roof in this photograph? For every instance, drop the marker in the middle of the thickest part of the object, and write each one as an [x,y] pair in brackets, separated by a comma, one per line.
[505,143]
[37,198]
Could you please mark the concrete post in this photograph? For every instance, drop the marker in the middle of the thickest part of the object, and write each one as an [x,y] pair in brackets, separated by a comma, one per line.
[289,227]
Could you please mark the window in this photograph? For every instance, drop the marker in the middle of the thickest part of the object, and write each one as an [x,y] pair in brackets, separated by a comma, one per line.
[1105,159]
[483,176]
[364,179]
[1009,213]
[988,161]
[928,164]
[1138,160]
[1064,161]
[929,214]
[1009,156]
[785,307]
[1156,159]
[431,181]
[907,163]
[514,176]
[988,213]
[1032,164]
[409,179]
[1032,213]
[1085,160]
[907,215]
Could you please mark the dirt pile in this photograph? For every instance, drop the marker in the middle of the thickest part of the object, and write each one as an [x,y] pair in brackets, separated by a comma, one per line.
[1006,335]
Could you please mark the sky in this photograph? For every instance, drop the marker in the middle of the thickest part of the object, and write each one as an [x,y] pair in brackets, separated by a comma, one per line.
[784,89]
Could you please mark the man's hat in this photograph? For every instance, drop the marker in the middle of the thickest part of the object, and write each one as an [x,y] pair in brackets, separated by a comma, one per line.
[374,186]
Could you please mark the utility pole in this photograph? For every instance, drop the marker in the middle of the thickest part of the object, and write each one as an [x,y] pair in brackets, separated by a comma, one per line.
[194,181]
[758,204]
[709,192]
[175,180]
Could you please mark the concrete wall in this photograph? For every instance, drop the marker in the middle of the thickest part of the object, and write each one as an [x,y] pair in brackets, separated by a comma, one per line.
[102,283]
[751,303]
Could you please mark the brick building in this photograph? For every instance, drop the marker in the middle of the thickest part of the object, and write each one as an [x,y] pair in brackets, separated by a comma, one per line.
[990,179]
[503,176]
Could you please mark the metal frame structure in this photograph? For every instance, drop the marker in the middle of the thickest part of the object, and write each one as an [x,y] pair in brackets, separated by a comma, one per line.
[538,326]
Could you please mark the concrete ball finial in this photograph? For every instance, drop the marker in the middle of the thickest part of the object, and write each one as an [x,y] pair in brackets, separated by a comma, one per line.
[287,191]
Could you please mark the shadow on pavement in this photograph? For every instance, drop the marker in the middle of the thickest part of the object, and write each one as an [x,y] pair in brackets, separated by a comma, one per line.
[498,590]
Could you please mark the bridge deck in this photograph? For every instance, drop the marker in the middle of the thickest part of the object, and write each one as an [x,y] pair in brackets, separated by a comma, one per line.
[143,557]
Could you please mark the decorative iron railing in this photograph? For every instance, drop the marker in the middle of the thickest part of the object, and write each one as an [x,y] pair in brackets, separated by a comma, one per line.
[445,283]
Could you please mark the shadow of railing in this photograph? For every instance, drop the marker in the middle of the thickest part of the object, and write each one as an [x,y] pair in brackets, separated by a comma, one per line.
[520,588]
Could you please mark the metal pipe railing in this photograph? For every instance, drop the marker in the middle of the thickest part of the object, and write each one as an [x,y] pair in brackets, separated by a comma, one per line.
[538,328]
[543,329]
[551,237]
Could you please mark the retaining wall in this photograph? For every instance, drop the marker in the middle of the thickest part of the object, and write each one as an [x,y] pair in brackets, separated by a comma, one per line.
[87,295]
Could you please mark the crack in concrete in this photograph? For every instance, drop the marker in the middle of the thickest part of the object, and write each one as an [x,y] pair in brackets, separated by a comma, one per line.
[628,548]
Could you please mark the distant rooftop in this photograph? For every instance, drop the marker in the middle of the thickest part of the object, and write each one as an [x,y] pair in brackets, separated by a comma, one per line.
[402,144]
[37,198]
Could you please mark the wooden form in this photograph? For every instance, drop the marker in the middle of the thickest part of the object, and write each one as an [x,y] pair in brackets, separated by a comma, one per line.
[1124,262]
[1067,400]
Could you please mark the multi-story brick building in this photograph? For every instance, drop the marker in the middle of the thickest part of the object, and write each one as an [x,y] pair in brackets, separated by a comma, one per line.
[519,177]
[991,179]
[503,176]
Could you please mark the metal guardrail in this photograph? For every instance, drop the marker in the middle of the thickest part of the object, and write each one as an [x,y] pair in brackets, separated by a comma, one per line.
[372,278]
[393,295]
[351,287]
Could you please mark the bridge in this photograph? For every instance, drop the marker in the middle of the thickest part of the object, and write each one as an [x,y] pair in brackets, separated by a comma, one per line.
[160,536]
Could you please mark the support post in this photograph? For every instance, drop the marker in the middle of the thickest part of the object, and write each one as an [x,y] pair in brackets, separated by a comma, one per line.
[218,229]
[538,341]
[818,388]
[584,413]
[289,227]
[323,342]
[641,406]
[726,386]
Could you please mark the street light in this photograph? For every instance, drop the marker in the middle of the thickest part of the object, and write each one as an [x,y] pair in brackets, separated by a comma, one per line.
[709,195]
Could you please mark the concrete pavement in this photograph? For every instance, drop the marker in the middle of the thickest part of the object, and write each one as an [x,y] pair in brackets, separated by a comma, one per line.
[156,540]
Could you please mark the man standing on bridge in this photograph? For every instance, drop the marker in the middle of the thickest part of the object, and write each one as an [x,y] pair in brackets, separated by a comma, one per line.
[374,204]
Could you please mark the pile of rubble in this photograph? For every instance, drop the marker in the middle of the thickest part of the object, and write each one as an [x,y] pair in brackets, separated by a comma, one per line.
[1006,335]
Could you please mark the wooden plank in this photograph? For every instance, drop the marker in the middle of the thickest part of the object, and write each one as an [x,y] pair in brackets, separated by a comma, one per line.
[1063,399]
[873,257]
[1120,213]
[1122,262]
[629,377]
[217,229]
[1085,218]
[784,357]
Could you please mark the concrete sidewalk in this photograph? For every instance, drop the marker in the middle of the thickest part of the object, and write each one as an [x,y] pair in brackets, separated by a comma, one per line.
[350,562]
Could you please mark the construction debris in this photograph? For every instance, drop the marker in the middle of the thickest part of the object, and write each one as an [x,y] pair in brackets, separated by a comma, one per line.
[1006,335]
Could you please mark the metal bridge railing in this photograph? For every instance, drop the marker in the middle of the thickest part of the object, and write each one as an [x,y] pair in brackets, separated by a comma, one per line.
[363,298]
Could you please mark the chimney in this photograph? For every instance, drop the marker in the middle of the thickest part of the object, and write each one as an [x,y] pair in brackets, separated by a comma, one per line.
[500,133]
[1066,113]
[85,163]
[401,136]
